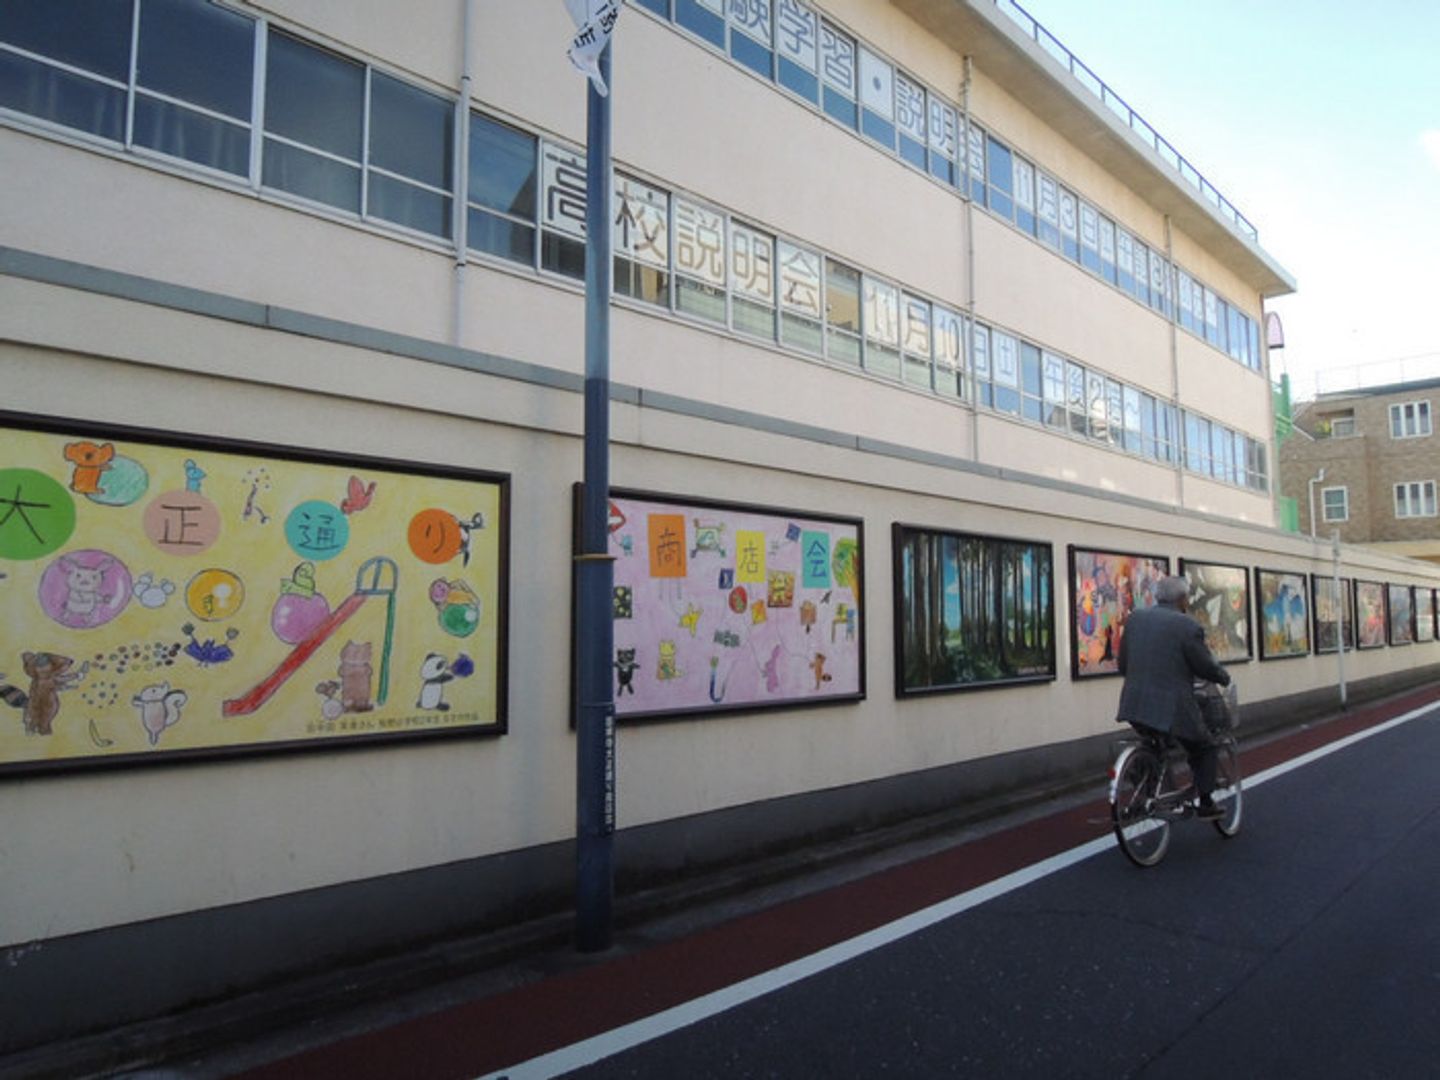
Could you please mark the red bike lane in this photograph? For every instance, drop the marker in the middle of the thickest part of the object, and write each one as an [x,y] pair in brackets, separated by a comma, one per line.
[492,1033]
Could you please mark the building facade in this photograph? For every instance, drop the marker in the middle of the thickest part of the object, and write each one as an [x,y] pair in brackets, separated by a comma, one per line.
[925,360]
[1380,460]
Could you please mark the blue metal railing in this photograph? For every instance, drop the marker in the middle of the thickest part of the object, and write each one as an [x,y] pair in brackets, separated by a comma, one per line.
[1117,105]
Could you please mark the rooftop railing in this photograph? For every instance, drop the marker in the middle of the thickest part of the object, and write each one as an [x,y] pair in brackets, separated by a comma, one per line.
[1137,123]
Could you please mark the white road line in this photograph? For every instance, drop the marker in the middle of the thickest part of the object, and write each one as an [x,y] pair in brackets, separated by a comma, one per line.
[608,1043]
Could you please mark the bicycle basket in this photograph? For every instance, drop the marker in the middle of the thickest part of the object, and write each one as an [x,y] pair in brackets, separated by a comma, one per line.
[1219,707]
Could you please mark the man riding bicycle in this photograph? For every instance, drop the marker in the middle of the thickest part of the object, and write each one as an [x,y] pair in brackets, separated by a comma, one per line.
[1162,653]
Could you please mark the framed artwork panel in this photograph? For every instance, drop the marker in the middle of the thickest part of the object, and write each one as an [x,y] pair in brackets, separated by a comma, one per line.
[1283,612]
[167,597]
[1220,602]
[971,610]
[723,606]
[1105,586]
[1402,615]
[1332,614]
[1372,615]
[1424,614]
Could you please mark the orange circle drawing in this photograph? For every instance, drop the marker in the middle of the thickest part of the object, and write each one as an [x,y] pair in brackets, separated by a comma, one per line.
[435,536]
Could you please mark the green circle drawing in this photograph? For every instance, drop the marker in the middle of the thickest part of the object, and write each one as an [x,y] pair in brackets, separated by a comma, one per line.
[121,484]
[37,514]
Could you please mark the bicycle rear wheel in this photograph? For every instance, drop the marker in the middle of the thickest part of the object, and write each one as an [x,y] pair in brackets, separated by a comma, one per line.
[1229,790]
[1143,836]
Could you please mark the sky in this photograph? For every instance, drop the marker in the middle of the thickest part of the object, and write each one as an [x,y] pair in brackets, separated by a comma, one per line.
[1320,121]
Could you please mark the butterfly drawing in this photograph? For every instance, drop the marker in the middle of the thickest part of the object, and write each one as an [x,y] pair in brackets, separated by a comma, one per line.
[357,496]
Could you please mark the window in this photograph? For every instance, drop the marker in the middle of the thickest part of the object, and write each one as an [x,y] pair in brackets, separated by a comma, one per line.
[910,113]
[882,328]
[751,34]
[640,240]
[877,99]
[1031,384]
[999,168]
[797,43]
[1335,503]
[314,123]
[837,65]
[842,313]
[1410,420]
[1069,225]
[949,337]
[703,18]
[1125,260]
[980,363]
[1089,238]
[1049,211]
[501,200]
[976,157]
[1054,390]
[752,281]
[700,261]
[1107,249]
[801,314]
[562,211]
[411,155]
[1005,362]
[944,142]
[1342,427]
[1025,196]
[915,340]
[1415,498]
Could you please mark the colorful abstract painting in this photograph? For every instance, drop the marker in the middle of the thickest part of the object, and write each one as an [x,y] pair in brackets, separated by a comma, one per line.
[1220,602]
[1106,586]
[719,606]
[1402,615]
[162,596]
[1284,614]
[1424,614]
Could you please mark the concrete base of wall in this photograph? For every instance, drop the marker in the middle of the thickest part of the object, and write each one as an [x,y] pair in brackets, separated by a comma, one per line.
[404,929]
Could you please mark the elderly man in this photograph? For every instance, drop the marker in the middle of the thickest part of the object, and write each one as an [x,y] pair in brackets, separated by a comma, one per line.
[1162,652]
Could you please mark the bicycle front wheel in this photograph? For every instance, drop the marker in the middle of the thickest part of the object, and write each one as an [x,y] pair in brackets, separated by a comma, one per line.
[1229,790]
[1143,836]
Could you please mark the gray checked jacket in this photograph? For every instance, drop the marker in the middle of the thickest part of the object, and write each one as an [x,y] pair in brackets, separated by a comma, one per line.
[1162,652]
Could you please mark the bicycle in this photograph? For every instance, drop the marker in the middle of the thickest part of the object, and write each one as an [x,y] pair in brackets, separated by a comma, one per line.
[1146,797]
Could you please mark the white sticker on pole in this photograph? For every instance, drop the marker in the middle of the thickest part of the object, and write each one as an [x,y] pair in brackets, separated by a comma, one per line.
[594,23]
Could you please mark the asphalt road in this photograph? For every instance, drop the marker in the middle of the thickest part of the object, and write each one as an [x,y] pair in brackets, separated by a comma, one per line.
[1309,945]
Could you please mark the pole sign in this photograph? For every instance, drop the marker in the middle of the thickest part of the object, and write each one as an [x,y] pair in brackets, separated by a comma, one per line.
[594,23]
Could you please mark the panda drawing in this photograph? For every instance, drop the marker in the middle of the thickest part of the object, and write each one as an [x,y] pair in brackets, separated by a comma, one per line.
[434,674]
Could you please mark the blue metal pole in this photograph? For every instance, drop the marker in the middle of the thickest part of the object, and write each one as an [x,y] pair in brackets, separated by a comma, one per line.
[594,570]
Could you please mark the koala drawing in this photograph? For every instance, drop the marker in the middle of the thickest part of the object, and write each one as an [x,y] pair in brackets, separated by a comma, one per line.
[90,460]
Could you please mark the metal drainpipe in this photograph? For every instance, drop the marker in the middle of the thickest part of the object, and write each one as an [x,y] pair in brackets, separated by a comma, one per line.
[967,353]
[1179,434]
[459,218]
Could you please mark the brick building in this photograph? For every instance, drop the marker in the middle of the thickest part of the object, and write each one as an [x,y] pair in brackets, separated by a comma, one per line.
[1380,458]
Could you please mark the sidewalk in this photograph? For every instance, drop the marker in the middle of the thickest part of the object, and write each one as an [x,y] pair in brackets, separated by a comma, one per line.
[547,996]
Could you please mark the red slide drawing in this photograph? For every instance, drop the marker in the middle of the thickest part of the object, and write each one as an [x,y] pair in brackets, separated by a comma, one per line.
[243,706]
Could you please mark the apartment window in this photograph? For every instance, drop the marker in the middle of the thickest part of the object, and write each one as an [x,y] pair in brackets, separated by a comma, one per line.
[1415,498]
[1335,503]
[700,261]
[797,44]
[1410,420]
[640,241]
[501,199]
[837,66]
[752,281]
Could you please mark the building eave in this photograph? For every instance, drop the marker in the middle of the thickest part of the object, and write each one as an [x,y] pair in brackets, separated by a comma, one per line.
[1003,50]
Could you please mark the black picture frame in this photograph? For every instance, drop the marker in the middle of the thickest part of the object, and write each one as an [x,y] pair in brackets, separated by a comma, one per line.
[1098,608]
[1323,631]
[119,662]
[1372,615]
[1214,609]
[1275,615]
[1400,614]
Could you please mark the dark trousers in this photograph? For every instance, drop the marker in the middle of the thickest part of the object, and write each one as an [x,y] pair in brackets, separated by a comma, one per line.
[1204,758]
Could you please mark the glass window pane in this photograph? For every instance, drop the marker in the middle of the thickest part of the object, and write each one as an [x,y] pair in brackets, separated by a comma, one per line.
[311,176]
[842,296]
[502,237]
[314,97]
[198,53]
[408,205]
[62,98]
[190,135]
[702,17]
[411,131]
[502,167]
[89,34]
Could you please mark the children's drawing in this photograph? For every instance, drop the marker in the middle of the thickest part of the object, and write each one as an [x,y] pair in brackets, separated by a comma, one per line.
[159,708]
[1107,586]
[281,563]
[1284,614]
[720,606]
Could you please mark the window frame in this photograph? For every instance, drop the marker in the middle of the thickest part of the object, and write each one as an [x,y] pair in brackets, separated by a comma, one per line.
[1407,418]
[1325,505]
